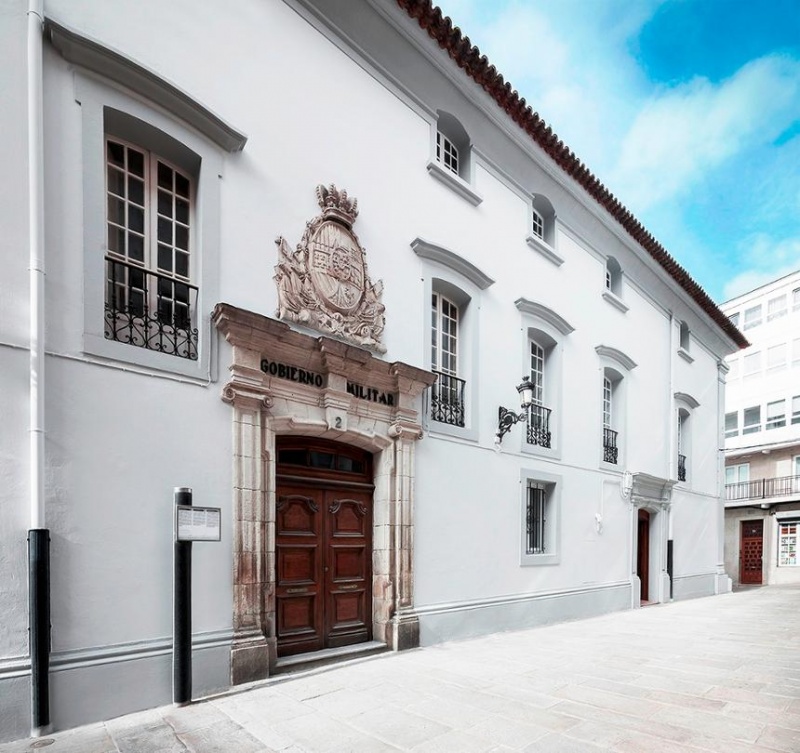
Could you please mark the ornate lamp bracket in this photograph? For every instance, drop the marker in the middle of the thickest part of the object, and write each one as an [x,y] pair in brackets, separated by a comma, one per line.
[506,419]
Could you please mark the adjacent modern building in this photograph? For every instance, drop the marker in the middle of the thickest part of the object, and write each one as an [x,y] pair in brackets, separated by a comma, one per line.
[762,436]
[317,261]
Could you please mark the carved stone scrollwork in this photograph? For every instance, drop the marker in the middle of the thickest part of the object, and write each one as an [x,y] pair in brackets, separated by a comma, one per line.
[232,393]
[324,282]
[401,429]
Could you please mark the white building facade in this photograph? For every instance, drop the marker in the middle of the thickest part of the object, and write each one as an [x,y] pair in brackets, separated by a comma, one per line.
[338,395]
[762,436]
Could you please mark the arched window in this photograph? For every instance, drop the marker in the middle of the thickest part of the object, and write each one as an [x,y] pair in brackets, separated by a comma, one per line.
[613,276]
[685,339]
[453,146]
[448,404]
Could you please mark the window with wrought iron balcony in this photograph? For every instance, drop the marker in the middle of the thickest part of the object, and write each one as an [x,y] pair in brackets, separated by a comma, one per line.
[538,431]
[610,449]
[739,487]
[447,393]
[150,301]
[681,467]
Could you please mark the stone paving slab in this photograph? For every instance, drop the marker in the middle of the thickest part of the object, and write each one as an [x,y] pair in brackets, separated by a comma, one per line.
[713,675]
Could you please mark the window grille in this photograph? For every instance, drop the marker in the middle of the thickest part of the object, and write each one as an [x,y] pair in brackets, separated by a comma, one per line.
[150,301]
[535,521]
[446,153]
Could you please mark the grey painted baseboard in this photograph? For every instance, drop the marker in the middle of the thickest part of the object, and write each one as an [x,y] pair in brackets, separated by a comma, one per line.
[471,619]
[102,682]
[694,586]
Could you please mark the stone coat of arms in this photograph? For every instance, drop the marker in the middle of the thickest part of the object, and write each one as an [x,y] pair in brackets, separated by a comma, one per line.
[324,282]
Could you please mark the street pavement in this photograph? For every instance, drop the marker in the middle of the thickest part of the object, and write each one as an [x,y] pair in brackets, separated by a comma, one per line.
[716,674]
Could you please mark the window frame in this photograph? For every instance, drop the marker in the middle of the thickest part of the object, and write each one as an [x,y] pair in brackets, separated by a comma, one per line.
[445,271]
[108,111]
[462,181]
[753,428]
[777,311]
[792,543]
[795,404]
[734,431]
[755,320]
[777,356]
[776,420]
[737,469]
[552,486]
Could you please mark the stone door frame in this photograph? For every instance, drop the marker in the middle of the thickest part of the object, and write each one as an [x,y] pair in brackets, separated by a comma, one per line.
[266,406]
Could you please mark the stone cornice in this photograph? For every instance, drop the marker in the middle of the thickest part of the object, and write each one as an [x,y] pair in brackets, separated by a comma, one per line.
[545,314]
[427,250]
[263,336]
[614,354]
[96,57]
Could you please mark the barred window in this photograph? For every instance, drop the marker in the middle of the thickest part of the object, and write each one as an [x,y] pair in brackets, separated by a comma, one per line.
[536,520]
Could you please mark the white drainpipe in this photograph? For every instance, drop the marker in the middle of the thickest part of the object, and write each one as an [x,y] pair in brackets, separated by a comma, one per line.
[36,268]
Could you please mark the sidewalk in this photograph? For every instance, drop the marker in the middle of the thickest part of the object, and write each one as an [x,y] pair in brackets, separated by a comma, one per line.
[717,674]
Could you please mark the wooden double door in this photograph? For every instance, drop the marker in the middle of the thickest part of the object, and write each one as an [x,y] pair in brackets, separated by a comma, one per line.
[323,548]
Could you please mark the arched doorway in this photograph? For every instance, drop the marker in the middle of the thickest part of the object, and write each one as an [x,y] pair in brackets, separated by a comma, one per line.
[323,545]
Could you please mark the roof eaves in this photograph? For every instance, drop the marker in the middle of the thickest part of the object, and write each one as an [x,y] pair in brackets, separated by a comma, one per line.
[468,57]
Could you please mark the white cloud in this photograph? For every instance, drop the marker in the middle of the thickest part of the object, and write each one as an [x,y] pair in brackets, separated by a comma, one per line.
[766,260]
[681,133]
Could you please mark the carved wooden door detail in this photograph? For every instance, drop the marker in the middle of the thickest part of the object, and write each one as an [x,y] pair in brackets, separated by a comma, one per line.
[752,552]
[323,546]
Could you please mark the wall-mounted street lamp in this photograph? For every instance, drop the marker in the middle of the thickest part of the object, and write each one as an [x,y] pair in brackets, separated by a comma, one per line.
[507,418]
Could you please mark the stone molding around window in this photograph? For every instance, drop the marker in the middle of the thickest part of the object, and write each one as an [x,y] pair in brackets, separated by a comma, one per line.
[112,65]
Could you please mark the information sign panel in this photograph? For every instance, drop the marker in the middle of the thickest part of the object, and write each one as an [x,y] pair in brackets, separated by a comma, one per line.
[197,523]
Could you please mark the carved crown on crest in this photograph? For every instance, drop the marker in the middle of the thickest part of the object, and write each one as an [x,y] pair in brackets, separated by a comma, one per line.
[337,205]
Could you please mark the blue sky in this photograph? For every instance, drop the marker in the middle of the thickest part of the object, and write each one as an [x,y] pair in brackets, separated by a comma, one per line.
[688,111]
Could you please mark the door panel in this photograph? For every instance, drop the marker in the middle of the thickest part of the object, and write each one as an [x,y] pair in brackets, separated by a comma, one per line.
[323,545]
[751,552]
[349,561]
[298,564]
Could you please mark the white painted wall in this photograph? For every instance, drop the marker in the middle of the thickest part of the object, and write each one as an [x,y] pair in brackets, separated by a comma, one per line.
[121,435]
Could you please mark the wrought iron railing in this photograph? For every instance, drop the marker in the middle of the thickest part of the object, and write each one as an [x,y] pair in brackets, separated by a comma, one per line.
[447,399]
[763,488]
[681,467]
[150,310]
[610,449]
[539,425]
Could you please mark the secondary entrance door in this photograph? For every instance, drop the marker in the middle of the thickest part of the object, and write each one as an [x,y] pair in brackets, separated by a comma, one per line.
[323,546]
[751,552]
[643,555]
